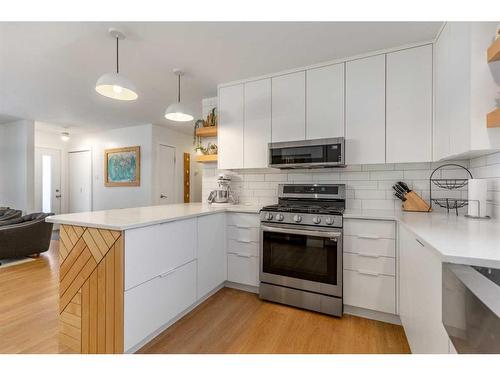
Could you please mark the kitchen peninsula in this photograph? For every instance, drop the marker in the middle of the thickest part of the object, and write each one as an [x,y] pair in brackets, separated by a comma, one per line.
[128,274]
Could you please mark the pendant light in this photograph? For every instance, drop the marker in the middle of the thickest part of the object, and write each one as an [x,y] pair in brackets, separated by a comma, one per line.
[115,85]
[176,111]
[65,136]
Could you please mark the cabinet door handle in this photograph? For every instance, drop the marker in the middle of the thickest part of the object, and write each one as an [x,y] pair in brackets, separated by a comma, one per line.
[169,272]
[368,255]
[242,227]
[369,273]
[366,237]
[421,244]
[242,255]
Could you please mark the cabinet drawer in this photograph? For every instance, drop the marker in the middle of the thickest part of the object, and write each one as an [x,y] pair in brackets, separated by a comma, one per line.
[370,292]
[151,251]
[243,247]
[243,220]
[378,265]
[243,233]
[372,229]
[154,303]
[373,246]
[243,269]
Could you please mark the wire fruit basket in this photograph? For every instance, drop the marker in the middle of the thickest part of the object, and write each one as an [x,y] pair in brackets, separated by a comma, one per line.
[449,184]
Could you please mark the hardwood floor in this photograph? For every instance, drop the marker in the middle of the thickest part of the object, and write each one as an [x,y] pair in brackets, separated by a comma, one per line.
[29,305]
[233,321]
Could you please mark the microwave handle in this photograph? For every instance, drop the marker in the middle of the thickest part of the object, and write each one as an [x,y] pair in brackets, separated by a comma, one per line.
[325,234]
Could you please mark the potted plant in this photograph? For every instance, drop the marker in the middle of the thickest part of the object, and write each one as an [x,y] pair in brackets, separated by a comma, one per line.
[200,150]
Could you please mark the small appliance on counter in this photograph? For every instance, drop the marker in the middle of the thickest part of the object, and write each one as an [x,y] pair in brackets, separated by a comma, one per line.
[223,195]
[301,247]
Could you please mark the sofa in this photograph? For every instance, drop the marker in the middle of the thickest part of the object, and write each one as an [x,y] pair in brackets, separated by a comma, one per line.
[7,214]
[25,235]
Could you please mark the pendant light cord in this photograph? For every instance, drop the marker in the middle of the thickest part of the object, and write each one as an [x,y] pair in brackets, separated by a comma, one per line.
[117,59]
[179,89]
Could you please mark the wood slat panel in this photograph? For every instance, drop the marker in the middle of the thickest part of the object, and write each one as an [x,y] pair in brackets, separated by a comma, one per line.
[86,317]
[73,237]
[94,249]
[91,291]
[93,313]
[77,283]
[119,290]
[74,271]
[108,237]
[71,319]
[68,344]
[110,300]
[99,241]
[63,236]
[101,307]
[71,258]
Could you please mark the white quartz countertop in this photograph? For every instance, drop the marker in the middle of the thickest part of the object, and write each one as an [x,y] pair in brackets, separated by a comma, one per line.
[455,239]
[129,218]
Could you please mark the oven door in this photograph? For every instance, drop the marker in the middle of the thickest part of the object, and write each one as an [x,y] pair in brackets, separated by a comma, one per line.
[302,258]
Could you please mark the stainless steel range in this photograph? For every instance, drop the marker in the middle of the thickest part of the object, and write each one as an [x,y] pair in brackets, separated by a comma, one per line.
[301,248]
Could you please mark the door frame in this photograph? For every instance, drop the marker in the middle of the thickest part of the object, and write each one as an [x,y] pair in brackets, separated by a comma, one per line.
[84,149]
[158,145]
[60,175]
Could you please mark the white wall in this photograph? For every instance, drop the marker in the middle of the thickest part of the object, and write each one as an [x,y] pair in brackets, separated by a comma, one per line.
[104,198]
[182,143]
[52,139]
[17,165]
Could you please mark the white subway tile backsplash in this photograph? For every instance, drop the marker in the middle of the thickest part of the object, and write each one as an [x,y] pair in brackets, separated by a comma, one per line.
[275,177]
[369,194]
[386,175]
[378,167]
[347,176]
[417,174]
[378,204]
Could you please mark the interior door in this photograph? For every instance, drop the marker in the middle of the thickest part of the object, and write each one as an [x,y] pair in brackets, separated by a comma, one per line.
[166,169]
[79,181]
[48,180]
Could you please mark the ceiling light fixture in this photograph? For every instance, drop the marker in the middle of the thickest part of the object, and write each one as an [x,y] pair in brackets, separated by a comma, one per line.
[115,85]
[65,136]
[177,111]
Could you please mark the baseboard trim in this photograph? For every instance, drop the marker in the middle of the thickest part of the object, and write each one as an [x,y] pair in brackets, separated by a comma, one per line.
[372,314]
[178,317]
[244,287]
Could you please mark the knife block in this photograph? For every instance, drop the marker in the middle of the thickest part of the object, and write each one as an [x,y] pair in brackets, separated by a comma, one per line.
[414,203]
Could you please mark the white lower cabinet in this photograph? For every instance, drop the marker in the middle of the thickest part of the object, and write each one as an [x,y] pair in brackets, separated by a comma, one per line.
[370,264]
[370,290]
[420,290]
[243,269]
[153,304]
[243,239]
[211,252]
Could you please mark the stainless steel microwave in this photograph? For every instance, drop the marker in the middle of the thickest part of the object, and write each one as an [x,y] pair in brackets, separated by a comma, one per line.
[312,153]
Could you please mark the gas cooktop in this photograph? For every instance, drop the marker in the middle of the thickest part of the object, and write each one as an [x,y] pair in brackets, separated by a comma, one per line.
[306,209]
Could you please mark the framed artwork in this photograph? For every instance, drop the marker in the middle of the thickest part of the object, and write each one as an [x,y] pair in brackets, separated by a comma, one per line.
[122,166]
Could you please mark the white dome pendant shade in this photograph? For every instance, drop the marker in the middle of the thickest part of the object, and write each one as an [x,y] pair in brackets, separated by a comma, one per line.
[177,111]
[115,85]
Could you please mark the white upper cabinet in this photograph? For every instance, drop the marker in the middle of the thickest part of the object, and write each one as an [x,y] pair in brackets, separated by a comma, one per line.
[365,110]
[466,88]
[409,105]
[325,102]
[230,133]
[257,129]
[289,107]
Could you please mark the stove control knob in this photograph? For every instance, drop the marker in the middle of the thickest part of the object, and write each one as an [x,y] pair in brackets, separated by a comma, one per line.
[268,216]
[316,220]
[279,217]
[329,220]
[297,218]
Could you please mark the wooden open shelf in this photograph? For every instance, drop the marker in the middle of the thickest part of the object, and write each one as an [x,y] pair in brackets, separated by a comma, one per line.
[493,119]
[209,131]
[494,51]
[206,158]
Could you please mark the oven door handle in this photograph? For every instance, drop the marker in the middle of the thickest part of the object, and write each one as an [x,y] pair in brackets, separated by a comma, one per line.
[324,234]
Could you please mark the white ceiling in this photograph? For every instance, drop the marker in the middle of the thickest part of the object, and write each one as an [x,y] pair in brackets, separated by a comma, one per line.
[48,70]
